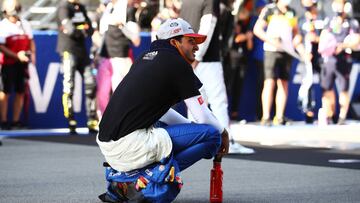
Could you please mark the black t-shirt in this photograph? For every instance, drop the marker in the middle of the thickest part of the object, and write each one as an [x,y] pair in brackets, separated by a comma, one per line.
[157,80]
[74,40]
[226,28]
[241,47]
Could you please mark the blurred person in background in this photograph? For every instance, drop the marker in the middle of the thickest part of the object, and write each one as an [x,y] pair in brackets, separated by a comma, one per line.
[18,47]
[310,26]
[171,10]
[339,37]
[146,10]
[99,57]
[257,55]
[241,45]
[277,27]
[226,32]
[203,16]
[2,94]
[97,37]
[120,30]
[74,27]
[226,27]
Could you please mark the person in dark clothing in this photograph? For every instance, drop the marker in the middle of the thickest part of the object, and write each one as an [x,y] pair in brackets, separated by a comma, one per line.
[336,64]
[241,45]
[257,55]
[139,128]
[74,27]
[310,26]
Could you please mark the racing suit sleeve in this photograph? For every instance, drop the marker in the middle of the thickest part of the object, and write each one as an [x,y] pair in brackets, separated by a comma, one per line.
[201,113]
[172,117]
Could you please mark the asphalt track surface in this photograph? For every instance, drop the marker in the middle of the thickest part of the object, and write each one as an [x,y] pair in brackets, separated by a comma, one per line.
[36,167]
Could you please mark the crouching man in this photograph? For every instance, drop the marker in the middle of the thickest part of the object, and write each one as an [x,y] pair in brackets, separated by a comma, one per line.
[145,143]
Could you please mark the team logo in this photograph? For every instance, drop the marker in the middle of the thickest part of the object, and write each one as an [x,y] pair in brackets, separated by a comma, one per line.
[161,168]
[148,172]
[150,55]
[200,100]
[132,173]
[175,31]
[174,24]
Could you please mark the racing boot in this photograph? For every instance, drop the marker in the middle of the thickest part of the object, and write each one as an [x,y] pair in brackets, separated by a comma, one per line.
[122,192]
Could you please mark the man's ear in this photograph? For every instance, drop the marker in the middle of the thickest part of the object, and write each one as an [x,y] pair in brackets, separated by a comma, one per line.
[174,42]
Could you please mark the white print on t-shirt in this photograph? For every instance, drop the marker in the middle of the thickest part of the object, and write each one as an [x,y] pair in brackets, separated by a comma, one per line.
[150,55]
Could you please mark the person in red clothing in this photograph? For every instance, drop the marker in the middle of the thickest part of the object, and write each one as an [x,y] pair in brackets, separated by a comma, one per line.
[18,47]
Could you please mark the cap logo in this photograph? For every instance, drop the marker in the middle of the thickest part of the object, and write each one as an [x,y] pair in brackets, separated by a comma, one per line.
[175,31]
[174,24]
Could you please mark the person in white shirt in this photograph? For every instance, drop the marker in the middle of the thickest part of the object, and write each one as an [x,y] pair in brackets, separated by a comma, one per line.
[18,47]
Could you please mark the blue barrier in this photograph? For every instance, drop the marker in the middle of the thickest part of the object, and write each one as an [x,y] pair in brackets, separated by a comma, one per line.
[46,87]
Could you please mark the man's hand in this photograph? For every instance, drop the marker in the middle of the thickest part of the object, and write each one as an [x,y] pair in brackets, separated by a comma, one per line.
[33,58]
[22,56]
[224,148]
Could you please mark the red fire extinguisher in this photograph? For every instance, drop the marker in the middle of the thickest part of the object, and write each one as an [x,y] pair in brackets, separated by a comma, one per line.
[216,178]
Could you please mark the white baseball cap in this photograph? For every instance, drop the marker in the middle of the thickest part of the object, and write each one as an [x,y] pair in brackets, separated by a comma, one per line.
[177,27]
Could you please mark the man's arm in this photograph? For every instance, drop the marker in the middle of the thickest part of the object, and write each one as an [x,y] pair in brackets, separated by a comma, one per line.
[202,114]
[33,51]
[21,56]
[29,33]
[299,46]
[259,29]
[132,31]
[7,52]
[88,25]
